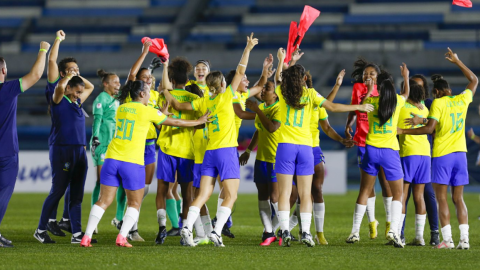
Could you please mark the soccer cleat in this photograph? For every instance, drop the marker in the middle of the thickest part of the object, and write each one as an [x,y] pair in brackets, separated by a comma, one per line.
[122,241]
[4,242]
[434,238]
[187,237]
[226,231]
[320,239]
[417,242]
[353,238]
[65,225]
[307,239]
[268,239]
[162,234]
[286,238]
[387,229]
[445,244]
[200,241]
[463,244]
[216,239]
[373,229]
[174,232]
[134,236]
[397,241]
[52,226]
[43,237]
[115,222]
[86,241]
[78,239]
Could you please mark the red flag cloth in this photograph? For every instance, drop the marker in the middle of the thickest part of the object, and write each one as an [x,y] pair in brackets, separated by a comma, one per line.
[158,47]
[295,35]
[462,3]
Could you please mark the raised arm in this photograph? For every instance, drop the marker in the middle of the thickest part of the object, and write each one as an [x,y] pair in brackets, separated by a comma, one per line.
[37,70]
[406,80]
[267,72]
[88,89]
[337,107]
[270,125]
[296,55]
[166,84]
[242,66]
[138,64]
[338,83]
[60,89]
[281,58]
[471,77]
[52,71]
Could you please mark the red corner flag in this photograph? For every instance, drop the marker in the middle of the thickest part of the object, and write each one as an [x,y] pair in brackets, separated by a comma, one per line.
[462,3]
[295,35]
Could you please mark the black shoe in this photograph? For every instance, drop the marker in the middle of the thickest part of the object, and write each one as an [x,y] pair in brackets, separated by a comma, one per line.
[5,243]
[78,239]
[43,237]
[434,238]
[162,234]
[65,225]
[214,222]
[174,232]
[52,226]
[226,231]
[286,238]
[267,235]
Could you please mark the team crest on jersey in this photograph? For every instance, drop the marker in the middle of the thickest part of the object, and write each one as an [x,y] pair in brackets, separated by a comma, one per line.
[67,166]
[99,105]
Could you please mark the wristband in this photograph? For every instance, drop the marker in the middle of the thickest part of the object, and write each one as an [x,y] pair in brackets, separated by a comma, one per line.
[248,151]
[473,137]
[424,120]
[242,65]
[59,39]
[42,50]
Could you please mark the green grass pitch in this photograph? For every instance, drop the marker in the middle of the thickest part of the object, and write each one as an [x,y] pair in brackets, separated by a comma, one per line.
[243,252]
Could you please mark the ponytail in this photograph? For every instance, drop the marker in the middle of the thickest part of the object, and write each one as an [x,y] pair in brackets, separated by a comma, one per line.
[388,98]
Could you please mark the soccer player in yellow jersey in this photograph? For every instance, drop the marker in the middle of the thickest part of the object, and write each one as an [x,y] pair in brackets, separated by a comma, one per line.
[415,158]
[294,152]
[381,151]
[201,70]
[124,161]
[221,156]
[449,164]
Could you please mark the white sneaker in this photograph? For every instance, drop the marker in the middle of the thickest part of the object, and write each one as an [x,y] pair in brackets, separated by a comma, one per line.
[216,239]
[187,237]
[134,236]
[463,244]
[353,238]
[418,242]
[446,244]
[391,235]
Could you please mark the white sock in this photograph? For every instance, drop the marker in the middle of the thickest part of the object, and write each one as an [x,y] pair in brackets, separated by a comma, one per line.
[77,234]
[358,216]
[306,221]
[275,222]
[387,203]
[65,219]
[396,216]
[222,216]
[419,225]
[135,226]
[193,213]
[41,231]
[447,233]
[293,222]
[265,211]
[400,224]
[130,218]
[371,209]
[162,217]
[463,231]
[219,203]
[283,219]
[319,216]
[145,191]
[96,214]
[199,227]
[51,220]
[207,224]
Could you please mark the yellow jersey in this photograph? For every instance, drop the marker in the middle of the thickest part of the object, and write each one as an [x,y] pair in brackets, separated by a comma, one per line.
[412,145]
[222,130]
[152,102]
[178,141]
[133,121]
[240,98]
[450,113]
[295,128]
[318,114]
[200,140]
[202,87]
[383,136]
[267,142]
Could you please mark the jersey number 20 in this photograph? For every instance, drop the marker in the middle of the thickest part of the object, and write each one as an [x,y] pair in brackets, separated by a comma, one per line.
[125,127]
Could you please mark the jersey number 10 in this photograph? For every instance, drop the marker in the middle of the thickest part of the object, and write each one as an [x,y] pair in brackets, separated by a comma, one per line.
[295,124]
[457,122]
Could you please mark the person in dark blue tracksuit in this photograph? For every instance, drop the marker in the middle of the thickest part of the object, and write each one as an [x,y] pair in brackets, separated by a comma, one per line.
[67,150]
[9,92]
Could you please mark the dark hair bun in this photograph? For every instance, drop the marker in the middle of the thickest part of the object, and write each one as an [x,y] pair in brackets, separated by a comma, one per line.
[436,77]
[101,73]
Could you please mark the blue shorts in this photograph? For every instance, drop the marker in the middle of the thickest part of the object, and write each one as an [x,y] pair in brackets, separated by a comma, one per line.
[197,175]
[294,159]
[360,154]
[149,156]
[416,169]
[318,156]
[451,169]
[170,166]
[386,158]
[115,173]
[264,172]
[223,162]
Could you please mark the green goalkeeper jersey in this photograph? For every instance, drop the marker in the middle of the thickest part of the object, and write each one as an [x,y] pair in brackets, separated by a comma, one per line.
[104,110]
